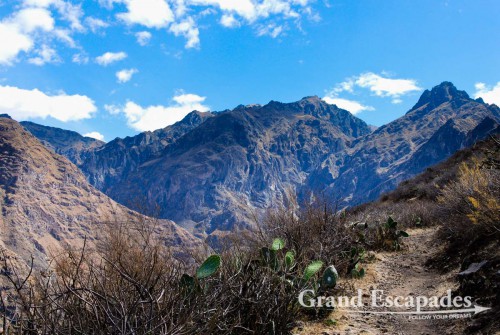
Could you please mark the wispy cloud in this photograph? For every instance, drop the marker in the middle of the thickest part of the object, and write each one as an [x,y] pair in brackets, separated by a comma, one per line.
[143,37]
[379,85]
[45,55]
[95,24]
[188,29]
[271,30]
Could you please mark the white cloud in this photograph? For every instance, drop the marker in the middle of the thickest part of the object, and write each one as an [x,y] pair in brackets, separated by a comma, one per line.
[80,58]
[155,117]
[12,42]
[349,105]
[125,75]
[143,37]
[229,21]
[32,29]
[271,30]
[378,85]
[112,109]
[110,57]
[96,24]
[96,135]
[24,104]
[386,87]
[64,35]
[490,95]
[254,10]
[175,14]
[45,55]
[68,11]
[31,19]
[149,13]
[188,29]
[16,32]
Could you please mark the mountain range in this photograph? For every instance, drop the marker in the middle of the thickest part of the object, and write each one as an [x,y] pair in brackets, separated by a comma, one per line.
[216,173]
[46,202]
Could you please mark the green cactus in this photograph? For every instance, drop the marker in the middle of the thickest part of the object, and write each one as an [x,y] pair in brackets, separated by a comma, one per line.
[330,276]
[290,259]
[358,272]
[209,267]
[312,269]
[391,235]
[278,244]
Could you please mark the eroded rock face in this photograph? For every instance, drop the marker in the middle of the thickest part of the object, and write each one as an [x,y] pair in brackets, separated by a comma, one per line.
[443,121]
[46,202]
[214,173]
[241,162]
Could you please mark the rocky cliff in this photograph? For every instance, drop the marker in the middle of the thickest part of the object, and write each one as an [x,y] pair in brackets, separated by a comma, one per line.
[443,121]
[215,178]
[215,173]
[46,202]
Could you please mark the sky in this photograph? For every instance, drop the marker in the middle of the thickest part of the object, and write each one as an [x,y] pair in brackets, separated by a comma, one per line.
[113,68]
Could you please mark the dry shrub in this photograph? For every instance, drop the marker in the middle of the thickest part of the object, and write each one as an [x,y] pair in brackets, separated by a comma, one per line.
[474,198]
[316,232]
[130,284]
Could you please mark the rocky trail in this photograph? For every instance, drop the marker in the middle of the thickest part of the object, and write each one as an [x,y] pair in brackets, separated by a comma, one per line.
[399,274]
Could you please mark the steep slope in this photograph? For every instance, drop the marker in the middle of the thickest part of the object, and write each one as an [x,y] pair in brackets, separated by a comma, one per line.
[214,173]
[64,142]
[443,121]
[114,161]
[233,166]
[46,201]
[105,164]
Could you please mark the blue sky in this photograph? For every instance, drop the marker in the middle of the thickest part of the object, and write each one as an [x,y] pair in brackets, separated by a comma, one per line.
[117,67]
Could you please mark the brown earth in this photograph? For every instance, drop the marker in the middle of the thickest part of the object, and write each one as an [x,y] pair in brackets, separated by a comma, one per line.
[398,274]
[47,203]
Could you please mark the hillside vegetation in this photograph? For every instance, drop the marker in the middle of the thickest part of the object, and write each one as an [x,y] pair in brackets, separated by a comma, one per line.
[130,284]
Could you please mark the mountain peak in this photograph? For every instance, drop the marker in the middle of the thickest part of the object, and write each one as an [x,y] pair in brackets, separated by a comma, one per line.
[440,94]
[312,98]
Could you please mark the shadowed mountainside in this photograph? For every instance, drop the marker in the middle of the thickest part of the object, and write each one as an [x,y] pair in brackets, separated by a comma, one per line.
[46,202]
[214,173]
[64,142]
[443,121]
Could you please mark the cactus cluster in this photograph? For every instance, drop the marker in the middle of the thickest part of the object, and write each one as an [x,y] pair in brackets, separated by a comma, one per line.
[357,254]
[390,234]
[283,261]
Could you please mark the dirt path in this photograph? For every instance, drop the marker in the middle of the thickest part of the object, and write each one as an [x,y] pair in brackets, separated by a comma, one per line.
[398,274]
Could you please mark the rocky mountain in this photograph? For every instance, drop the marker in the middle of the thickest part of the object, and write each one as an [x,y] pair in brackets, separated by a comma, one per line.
[443,121]
[215,173]
[216,177]
[64,142]
[46,202]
